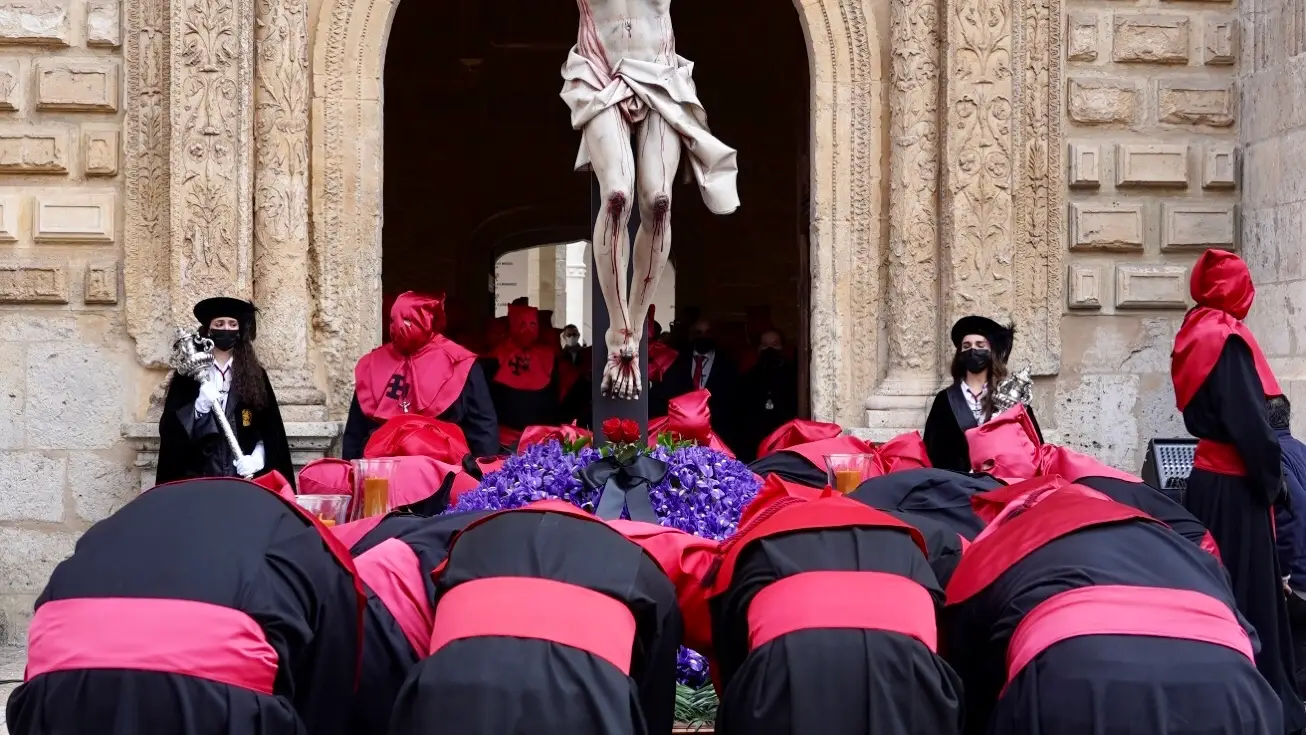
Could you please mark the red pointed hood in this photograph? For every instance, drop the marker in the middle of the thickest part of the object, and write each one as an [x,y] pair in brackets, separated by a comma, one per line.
[1222,281]
[414,320]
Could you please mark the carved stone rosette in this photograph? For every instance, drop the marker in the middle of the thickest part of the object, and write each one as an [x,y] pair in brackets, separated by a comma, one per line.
[211,150]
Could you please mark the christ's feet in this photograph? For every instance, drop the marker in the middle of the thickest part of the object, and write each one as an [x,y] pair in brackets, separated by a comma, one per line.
[621,379]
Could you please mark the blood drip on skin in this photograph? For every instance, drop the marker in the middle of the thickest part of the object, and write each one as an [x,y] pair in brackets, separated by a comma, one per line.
[617,204]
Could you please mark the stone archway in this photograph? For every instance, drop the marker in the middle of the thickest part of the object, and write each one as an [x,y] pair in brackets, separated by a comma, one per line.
[846,192]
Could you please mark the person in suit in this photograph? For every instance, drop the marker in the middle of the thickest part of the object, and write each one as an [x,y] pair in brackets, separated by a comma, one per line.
[703,366]
[769,394]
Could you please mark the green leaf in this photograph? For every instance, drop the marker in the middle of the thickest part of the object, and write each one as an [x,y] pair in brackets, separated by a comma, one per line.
[574,446]
[695,707]
[626,453]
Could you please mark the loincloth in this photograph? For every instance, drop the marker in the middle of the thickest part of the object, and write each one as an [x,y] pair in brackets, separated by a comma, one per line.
[642,88]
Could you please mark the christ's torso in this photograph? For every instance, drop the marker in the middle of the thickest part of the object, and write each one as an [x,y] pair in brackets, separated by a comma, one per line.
[626,29]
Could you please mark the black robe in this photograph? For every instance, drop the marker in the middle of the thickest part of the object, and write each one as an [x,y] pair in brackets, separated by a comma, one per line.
[473,412]
[521,686]
[1104,684]
[943,544]
[223,542]
[791,467]
[1229,408]
[943,495]
[576,404]
[945,429]
[196,447]
[1151,501]
[834,680]
[388,655]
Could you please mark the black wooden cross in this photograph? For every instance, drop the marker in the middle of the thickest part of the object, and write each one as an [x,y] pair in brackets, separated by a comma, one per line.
[519,364]
[606,408]
[397,387]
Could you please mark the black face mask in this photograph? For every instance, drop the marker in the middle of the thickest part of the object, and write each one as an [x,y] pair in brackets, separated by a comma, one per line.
[704,345]
[976,361]
[769,356]
[225,339]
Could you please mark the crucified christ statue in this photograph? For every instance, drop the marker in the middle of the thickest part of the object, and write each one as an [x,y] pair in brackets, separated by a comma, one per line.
[634,100]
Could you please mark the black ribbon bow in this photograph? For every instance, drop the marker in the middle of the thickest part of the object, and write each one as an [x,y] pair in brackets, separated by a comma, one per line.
[624,486]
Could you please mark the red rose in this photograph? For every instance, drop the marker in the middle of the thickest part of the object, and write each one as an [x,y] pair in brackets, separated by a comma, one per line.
[612,429]
[630,430]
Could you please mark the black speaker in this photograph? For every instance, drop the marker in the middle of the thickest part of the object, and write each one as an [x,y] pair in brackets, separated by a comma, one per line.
[1167,466]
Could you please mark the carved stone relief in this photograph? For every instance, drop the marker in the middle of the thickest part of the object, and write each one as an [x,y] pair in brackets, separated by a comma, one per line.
[211,148]
[281,100]
[913,189]
[217,158]
[1040,226]
[147,268]
[978,208]
[1003,171]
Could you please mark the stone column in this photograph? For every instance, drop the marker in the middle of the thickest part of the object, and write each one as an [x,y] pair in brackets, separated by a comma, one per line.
[211,151]
[147,263]
[977,217]
[281,145]
[900,400]
[1003,180]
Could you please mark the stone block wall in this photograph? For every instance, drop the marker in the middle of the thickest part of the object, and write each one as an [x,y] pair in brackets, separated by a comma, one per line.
[1273,134]
[1152,144]
[67,377]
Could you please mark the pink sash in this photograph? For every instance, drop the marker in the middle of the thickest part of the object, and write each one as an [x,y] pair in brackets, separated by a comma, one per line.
[1125,610]
[542,609]
[354,531]
[824,600]
[393,573]
[185,637]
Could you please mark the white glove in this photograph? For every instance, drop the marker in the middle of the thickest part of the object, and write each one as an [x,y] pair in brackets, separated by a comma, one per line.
[252,463]
[210,391]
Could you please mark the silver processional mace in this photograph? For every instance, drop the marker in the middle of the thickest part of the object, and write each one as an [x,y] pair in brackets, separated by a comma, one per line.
[192,356]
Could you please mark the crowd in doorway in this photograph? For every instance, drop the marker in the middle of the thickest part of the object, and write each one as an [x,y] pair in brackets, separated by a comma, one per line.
[523,370]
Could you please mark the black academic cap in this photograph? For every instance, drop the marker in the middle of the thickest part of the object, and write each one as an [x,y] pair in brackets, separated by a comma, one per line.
[219,306]
[999,337]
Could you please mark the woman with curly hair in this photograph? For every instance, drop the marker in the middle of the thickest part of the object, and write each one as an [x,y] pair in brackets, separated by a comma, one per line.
[191,442]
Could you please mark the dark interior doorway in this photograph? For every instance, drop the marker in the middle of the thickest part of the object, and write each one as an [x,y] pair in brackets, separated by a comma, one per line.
[479,154]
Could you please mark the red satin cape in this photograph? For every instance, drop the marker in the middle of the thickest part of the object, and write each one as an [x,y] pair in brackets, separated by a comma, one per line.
[527,368]
[1197,348]
[788,513]
[1057,515]
[796,432]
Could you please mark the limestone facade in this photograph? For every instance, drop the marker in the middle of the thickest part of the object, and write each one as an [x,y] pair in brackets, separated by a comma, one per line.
[1055,162]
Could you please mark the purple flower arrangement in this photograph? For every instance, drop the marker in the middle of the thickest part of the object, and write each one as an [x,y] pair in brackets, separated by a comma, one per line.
[704,493]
